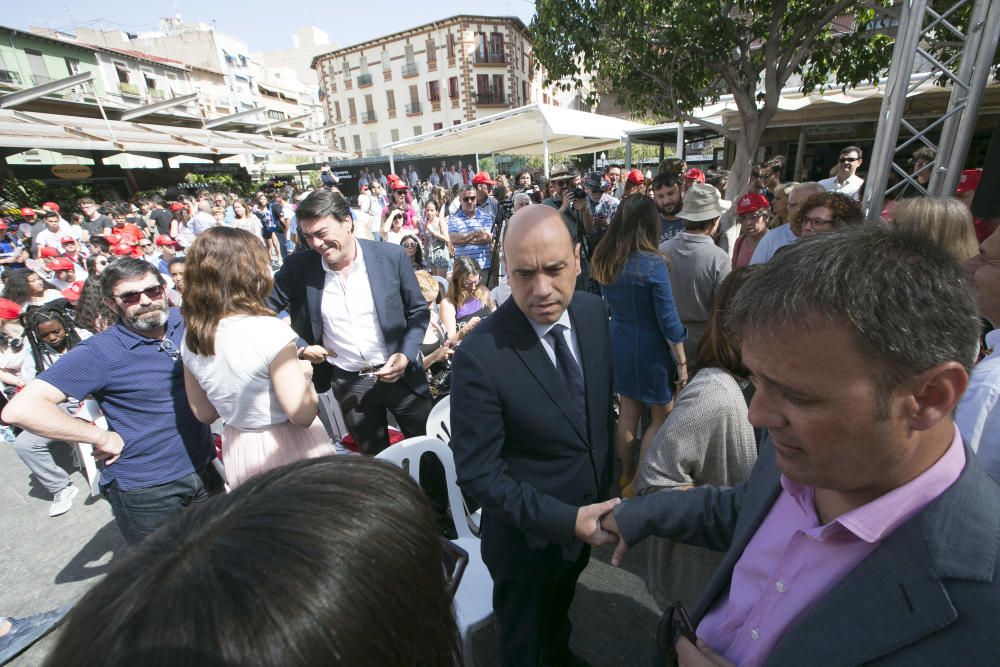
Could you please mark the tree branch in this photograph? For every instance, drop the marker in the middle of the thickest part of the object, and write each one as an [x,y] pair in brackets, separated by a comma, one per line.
[683,115]
[797,51]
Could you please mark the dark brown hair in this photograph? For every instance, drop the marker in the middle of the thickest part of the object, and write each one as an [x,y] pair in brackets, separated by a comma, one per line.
[846,211]
[228,273]
[635,227]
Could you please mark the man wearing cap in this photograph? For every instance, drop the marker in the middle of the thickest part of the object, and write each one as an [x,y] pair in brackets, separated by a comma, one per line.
[30,223]
[576,213]
[692,176]
[785,234]
[469,228]
[73,252]
[484,194]
[156,454]
[669,198]
[697,265]
[846,181]
[752,212]
[63,272]
[968,183]
[634,182]
[167,248]
[602,205]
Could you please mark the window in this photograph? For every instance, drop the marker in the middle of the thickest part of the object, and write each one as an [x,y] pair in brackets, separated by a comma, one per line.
[373,141]
[347,70]
[369,104]
[414,96]
[336,111]
[524,92]
[453,88]
[431,51]
[394,135]
[150,81]
[72,66]
[357,143]
[417,130]
[496,47]
[275,115]
[36,62]
[343,144]
[409,54]
[434,91]
[352,111]
[438,126]
[456,122]
[482,84]
[122,72]
[390,100]
[363,65]
[451,45]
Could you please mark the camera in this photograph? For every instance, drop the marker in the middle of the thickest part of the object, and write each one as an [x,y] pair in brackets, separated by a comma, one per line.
[579,193]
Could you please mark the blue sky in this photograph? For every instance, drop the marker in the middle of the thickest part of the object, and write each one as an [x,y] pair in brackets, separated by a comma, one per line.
[263,25]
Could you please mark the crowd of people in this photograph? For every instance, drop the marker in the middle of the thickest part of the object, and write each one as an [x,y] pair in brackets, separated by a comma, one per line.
[802,402]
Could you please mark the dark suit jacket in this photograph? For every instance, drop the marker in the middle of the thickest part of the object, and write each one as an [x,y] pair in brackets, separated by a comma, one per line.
[928,595]
[401,308]
[519,449]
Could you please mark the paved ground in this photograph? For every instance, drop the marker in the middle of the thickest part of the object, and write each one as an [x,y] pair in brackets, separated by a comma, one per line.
[50,561]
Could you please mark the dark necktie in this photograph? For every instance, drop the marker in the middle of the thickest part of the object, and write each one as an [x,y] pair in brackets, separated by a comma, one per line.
[570,371]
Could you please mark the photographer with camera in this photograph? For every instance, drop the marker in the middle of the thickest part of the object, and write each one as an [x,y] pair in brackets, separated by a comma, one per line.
[571,201]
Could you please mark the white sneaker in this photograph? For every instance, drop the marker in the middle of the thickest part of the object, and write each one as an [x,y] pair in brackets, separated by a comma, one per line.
[63,500]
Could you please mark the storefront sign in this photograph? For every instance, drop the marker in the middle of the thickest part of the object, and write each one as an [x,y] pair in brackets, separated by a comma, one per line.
[72,171]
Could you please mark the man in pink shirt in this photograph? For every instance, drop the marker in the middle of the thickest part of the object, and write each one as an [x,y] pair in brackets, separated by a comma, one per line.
[867,532]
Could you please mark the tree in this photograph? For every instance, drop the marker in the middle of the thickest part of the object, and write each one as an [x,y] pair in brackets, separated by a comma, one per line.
[666,58]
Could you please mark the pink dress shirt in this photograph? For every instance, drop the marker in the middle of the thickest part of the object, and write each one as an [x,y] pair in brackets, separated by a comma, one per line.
[791,561]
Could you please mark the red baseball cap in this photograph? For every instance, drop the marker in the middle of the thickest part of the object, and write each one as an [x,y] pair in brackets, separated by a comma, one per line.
[67,239]
[9,310]
[72,293]
[60,264]
[28,213]
[695,174]
[483,177]
[51,205]
[968,181]
[176,206]
[635,176]
[163,239]
[397,184]
[47,251]
[750,202]
[122,249]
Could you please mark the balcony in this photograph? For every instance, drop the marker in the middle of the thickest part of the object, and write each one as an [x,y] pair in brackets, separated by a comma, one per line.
[436,105]
[432,65]
[490,58]
[387,73]
[454,103]
[492,100]
[392,112]
[348,84]
[352,119]
[364,80]
[10,76]
[413,108]
[409,70]
[368,117]
[157,94]
[129,89]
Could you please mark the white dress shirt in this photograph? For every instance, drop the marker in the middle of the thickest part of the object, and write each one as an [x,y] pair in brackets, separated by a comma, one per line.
[850,188]
[978,413]
[542,331]
[351,327]
[773,240]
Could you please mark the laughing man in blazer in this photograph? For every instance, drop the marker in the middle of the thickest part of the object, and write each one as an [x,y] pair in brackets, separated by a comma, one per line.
[530,450]
[350,327]
[867,532]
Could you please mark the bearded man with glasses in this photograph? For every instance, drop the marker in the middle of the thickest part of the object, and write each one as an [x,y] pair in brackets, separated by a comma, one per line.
[156,454]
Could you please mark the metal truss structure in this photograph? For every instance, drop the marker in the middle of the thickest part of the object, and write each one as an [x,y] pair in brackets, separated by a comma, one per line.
[966,73]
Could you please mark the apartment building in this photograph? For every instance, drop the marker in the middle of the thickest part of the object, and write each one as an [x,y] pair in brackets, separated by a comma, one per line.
[426,78]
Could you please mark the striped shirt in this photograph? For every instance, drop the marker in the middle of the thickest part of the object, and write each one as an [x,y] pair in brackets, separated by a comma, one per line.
[141,392]
[461,224]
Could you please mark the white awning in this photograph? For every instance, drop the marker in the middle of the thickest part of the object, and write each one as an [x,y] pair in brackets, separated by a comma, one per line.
[57,132]
[535,129]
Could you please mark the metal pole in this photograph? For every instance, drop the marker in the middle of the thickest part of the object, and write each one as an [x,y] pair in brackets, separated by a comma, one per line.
[628,153]
[679,147]
[903,54]
[800,155]
[477,161]
[986,22]
[392,164]
[545,146]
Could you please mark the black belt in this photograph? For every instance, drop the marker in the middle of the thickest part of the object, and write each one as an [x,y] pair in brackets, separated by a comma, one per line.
[364,372]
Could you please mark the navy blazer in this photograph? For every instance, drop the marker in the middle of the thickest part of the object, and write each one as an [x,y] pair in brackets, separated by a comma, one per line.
[400,306]
[520,449]
[928,595]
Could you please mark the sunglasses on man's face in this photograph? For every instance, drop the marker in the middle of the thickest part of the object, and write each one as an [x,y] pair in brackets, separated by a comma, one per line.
[131,298]
[468,199]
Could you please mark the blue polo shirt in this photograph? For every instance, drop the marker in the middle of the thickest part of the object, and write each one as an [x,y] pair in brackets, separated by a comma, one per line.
[141,392]
[462,224]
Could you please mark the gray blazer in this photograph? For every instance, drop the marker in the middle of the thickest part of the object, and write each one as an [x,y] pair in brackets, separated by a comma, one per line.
[928,595]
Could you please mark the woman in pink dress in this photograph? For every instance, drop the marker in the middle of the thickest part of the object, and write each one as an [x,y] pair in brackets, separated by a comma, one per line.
[240,361]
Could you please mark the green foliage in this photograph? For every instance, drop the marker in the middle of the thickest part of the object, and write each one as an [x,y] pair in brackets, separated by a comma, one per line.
[672,57]
[32,192]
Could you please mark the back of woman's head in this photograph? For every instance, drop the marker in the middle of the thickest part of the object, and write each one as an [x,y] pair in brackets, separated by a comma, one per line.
[633,228]
[227,272]
[944,219]
[720,347]
[329,561]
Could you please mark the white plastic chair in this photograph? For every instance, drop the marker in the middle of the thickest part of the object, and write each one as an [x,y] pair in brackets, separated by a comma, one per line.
[439,420]
[89,411]
[474,599]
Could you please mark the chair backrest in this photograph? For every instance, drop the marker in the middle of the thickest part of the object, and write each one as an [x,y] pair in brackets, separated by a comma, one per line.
[407,455]
[439,420]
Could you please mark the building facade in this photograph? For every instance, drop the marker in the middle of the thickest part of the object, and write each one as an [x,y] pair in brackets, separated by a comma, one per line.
[426,78]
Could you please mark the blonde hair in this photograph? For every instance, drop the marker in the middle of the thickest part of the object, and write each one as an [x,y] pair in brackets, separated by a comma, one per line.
[946,220]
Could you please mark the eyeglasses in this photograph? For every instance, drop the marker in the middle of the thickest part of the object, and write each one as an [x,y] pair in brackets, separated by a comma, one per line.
[816,222]
[167,345]
[468,199]
[848,160]
[409,244]
[454,558]
[131,298]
